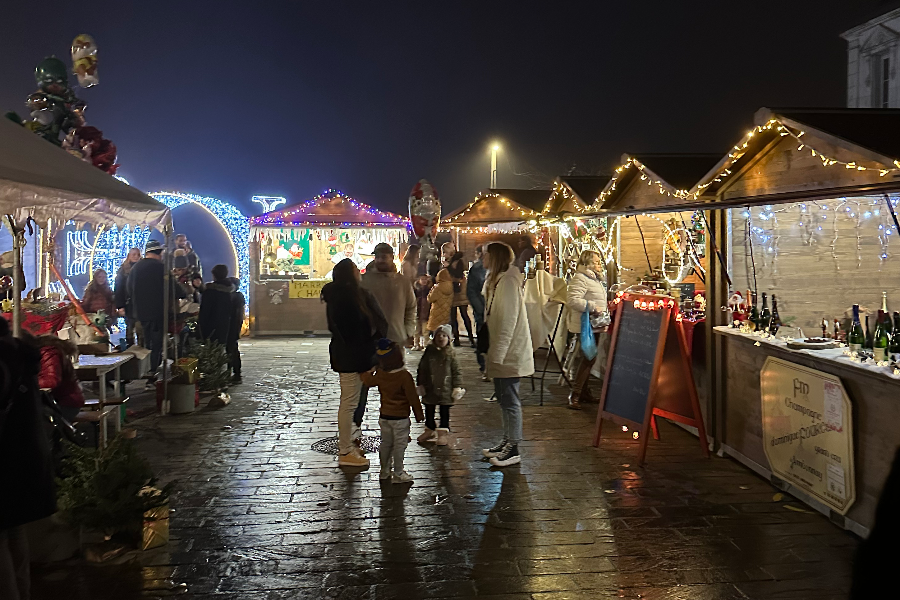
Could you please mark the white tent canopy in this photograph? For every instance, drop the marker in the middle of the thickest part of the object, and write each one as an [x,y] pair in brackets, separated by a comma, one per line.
[40,180]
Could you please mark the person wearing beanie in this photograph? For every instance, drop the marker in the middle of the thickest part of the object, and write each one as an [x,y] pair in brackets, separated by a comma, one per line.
[216,307]
[398,397]
[439,382]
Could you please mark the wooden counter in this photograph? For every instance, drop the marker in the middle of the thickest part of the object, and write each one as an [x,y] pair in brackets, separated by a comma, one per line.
[273,310]
[874,393]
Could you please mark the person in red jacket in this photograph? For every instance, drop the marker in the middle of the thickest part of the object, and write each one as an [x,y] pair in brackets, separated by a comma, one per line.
[58,374]
[99,296]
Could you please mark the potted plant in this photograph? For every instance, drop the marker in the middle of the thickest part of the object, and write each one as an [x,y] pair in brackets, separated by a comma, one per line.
[212,364]
[111,493]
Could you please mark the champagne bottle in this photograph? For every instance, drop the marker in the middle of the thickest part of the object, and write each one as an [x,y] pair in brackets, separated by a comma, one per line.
[856,338]
[887,315]
[754,312]
[765,316]
[880,340]
[869,334]
[775,323]
[895,338]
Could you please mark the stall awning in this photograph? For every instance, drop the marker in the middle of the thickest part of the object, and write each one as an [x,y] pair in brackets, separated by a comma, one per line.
[331,209]
[798,154]
[499,206]
[40,180]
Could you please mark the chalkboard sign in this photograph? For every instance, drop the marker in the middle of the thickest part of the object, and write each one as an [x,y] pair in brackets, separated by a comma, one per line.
[633,357]
[648,371]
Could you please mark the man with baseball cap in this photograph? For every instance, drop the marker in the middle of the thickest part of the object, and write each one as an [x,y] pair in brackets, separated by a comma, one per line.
[394,294]
[146,293]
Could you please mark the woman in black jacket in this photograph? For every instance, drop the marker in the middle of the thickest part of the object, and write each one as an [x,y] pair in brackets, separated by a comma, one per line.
[356,322]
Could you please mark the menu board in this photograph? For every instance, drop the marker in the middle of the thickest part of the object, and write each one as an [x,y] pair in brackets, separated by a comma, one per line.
[634,356]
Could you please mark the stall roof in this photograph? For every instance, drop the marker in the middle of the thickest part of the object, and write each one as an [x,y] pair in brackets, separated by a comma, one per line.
[331,209]
[499,206]
[43,181]
[574,193]
[666,176]
[800,153]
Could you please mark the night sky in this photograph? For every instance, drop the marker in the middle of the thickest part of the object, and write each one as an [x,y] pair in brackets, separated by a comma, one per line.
[231,99]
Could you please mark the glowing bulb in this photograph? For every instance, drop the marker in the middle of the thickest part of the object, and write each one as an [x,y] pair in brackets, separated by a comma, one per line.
[637,303]
[624,427]
[635,435]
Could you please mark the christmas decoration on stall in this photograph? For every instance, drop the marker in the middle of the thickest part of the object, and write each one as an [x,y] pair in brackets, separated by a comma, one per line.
[107,251]
[303,214]
[269,203]
[580,234]
[425,216]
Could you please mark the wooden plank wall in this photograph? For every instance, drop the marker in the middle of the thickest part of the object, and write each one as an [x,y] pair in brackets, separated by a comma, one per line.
[633,259]
[819,258]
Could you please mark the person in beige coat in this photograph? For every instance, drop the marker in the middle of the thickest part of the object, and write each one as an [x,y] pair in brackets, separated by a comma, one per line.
[510,355]
[394,294]
[441,299]
[586,293]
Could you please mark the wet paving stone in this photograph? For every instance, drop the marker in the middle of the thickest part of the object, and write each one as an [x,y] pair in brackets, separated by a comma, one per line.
[259,515]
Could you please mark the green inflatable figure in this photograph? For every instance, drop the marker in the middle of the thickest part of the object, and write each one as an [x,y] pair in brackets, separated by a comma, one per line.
[54,107]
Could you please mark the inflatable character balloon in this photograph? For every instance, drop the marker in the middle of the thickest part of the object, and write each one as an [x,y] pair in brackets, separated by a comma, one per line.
[84,60]
[54,107]
[425,215]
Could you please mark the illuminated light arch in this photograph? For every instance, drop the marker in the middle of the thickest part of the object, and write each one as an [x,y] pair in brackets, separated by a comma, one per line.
[232,220]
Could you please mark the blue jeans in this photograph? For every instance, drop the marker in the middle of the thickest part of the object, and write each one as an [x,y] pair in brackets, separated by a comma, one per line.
[507,389]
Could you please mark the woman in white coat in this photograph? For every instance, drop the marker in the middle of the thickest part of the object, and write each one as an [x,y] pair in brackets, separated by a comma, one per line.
[586,293]
[509,354]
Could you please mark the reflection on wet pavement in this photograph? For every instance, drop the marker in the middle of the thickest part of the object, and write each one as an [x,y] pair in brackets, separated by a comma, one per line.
[261,516]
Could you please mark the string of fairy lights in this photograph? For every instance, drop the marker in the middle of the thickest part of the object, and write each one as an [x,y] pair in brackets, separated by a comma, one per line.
[331,196]
[479,199]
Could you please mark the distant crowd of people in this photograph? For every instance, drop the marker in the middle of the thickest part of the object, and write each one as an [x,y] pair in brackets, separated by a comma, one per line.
[376,317]
[139,298]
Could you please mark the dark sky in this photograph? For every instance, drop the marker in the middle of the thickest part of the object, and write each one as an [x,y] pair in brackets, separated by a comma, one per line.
[232,99]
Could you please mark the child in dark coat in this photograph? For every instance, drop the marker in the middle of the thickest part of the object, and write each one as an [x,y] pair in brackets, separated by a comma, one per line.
[440,384]
[398,397]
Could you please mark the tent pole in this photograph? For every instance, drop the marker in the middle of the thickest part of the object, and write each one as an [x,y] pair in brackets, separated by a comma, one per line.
[167,282]
[18,284]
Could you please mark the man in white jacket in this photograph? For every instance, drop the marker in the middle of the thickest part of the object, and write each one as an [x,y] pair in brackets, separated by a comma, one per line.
[510,355]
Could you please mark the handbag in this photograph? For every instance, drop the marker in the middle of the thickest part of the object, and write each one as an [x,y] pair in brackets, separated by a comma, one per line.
[484,336]
[588,343]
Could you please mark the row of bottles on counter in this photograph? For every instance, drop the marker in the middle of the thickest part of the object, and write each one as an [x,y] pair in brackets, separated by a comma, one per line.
[762,319]
[883,340]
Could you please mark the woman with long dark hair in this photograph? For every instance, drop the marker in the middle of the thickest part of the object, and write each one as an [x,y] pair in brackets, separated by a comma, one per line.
[509,354]
[356,323]
[456,266]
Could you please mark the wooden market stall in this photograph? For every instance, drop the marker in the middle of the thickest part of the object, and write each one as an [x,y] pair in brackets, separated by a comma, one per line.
[496,215]
[643,240]
[293,251]
[804,206]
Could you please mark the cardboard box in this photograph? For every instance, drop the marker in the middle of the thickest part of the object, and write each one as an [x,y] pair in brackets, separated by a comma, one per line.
[138,366]
[189,371]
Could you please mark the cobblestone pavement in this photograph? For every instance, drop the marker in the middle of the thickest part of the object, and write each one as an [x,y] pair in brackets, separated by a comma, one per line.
[260,516]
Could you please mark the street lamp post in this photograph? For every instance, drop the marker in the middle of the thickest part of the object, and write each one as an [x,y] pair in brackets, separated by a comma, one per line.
[494,149]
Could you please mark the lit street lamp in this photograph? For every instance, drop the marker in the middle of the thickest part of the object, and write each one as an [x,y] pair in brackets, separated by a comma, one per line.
[494,150]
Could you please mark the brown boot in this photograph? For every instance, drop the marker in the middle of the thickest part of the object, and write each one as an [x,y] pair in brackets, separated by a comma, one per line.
[574,404]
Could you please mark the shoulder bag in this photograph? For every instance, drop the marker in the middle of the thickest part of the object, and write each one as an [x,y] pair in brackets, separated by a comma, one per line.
[484,336]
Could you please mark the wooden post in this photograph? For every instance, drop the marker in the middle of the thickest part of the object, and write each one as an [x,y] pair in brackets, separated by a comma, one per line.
[716,297]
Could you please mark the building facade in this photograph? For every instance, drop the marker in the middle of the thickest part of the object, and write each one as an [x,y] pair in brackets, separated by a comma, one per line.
[873,57]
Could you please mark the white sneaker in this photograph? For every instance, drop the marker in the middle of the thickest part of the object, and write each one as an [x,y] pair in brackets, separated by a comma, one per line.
[495,450]
[402,477]
[443,436]
[428,435]
[509,456]
[384,475]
